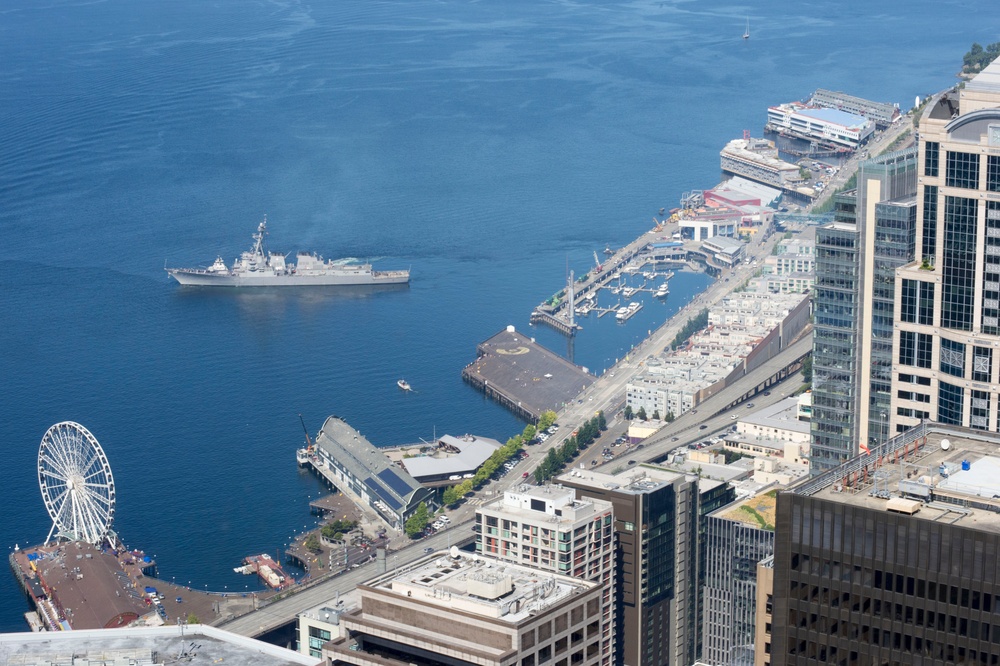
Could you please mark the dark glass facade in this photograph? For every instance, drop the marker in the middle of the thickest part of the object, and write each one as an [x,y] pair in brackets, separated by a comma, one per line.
[929,234]
[962,170]
[856,587]
[931,153]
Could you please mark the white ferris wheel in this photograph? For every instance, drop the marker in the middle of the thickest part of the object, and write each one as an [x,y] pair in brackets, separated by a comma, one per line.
[76,484]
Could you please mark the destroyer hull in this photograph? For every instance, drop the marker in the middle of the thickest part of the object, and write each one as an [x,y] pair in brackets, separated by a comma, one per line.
[195,278]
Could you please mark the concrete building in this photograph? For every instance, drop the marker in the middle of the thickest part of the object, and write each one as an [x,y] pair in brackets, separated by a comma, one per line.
[547,528]
[893,557]
[362,471]
[947,320]
[774,431]
[459,610]
[658,523]
[739,535]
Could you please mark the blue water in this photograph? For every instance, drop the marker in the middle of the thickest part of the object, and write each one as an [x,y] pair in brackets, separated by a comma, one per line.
[488,146]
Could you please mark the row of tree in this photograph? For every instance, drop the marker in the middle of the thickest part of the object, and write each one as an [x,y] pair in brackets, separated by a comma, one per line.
[641,414]
[559,456]
[452,495]
[693,325]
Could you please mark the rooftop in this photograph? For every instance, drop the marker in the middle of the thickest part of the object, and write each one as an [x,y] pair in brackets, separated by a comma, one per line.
[196,645]
[550,503]
[758,510]
[950,473]
[472,451]
[987,80]
[635,480]
[480,586]
[781,415]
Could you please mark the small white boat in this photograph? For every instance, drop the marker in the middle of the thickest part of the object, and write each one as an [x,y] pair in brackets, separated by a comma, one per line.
[662,291]
[402,383]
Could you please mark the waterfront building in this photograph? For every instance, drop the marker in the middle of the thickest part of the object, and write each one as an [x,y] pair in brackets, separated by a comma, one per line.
[882,114]
[792,269]
[739,536]
[454,608]
[362,471]
[893,557]
[658,525]
[548,529]
[830,128]
[947,321]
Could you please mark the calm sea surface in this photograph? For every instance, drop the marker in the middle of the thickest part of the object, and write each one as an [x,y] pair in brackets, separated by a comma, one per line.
[489,146]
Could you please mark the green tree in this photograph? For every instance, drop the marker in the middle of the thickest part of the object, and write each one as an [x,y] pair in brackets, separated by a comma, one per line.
[807,369]
[641,414]
[416,523]
[669,417]
[312,543]
[192,618]
[546,419]
[450,496]
[628,412]
[656,415]
[602,422]
[529,433]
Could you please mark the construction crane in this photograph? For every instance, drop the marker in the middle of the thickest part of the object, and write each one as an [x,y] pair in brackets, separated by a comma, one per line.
[309,444]
[597,262]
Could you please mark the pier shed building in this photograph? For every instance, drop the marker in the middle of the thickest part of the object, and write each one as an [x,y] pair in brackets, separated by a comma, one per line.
[882,114]
[829,127]
[365,472]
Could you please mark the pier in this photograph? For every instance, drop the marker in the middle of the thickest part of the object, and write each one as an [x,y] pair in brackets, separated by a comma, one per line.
[523,376]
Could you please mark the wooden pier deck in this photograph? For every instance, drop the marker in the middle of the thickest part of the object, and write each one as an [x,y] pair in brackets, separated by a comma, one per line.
[524,376]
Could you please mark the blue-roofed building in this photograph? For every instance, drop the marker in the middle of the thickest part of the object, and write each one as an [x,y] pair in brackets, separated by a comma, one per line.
[362,470]
[831,128]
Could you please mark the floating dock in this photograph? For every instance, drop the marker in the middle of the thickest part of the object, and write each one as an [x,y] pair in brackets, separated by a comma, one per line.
[523,376]
[270,572]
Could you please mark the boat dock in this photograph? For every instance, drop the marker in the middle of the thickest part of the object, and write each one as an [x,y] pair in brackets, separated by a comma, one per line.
[270,572]
[558,311]
[523,376]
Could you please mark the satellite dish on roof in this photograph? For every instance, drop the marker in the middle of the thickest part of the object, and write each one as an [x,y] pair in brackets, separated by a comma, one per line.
[945,444]
[453,552]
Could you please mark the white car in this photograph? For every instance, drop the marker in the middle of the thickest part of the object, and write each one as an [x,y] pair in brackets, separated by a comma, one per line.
[444,519]
[437,525]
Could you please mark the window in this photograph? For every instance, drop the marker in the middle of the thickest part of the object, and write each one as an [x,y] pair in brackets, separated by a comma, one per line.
[931,150]
[949,404]
[929,240]
[982,364]
[925,350]
[993,173]
[959,263]
[908,301]
[629,527]
[907,347]
[952,357]
[925,304]
[962,170]
[979,412]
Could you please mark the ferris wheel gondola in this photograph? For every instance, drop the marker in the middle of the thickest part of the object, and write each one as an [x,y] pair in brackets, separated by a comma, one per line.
[76,483]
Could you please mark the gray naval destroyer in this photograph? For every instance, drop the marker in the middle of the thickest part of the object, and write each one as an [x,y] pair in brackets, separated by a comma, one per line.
[260,268]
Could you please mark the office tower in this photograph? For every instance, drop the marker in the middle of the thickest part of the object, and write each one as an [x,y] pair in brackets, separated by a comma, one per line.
[894,557]
[854,299]
[948,300]
[548,529]
[660,571]
[738,536]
